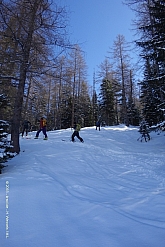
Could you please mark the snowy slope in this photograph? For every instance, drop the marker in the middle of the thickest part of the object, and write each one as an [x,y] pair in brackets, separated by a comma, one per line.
[106,192]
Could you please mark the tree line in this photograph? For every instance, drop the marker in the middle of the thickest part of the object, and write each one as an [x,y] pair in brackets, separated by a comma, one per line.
[42,73]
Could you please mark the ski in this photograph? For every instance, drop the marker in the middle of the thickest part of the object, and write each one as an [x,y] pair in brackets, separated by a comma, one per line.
[64,140]
[26,137]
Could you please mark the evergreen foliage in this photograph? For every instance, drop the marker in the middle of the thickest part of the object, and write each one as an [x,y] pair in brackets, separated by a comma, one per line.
[5,146]
[153,52]
[107,102]
[4,104]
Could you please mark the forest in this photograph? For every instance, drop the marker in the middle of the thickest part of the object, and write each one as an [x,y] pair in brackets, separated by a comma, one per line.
[43,74]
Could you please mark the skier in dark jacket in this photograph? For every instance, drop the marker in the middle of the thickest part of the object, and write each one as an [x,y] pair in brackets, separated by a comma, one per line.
[144,130]
[26,127]
[98,125]
[76,128]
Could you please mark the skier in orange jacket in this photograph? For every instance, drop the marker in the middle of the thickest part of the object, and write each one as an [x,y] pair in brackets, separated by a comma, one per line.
[43,124]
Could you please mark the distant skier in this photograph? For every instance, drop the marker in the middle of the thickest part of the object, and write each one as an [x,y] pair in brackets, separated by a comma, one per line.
[76,128]
[43,124]
[98,125]
[26,127]
[144,130]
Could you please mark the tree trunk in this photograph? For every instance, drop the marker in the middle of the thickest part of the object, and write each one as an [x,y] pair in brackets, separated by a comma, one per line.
[17,112]
[20,92]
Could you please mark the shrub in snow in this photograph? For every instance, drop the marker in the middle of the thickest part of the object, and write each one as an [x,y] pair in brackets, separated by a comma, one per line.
[5,146]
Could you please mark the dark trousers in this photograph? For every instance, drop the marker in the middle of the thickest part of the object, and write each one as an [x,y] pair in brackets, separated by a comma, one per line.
[98,127]
[25,129]
[43,130]
[145,134]
[76,133]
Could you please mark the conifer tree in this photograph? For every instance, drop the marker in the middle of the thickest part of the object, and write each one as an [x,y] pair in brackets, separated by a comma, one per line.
[5,147]
[106,103]
[150,24]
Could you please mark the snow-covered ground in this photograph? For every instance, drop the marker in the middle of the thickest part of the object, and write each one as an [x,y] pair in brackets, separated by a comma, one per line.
[106,192]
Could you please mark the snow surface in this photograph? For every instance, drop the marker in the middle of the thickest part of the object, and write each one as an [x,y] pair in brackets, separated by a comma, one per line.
[106,192]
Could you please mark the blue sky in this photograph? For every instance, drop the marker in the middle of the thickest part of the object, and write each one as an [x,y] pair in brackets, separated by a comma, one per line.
[95,24]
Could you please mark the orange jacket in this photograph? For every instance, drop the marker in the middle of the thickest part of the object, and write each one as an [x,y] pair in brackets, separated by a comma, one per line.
[43,123]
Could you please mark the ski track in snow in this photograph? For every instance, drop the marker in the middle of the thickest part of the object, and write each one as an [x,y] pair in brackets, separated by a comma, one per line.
[95,170]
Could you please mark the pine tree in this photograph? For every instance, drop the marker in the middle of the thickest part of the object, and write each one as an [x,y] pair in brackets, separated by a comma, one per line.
[122,68]
[5,147]
[106,103]
[151,28]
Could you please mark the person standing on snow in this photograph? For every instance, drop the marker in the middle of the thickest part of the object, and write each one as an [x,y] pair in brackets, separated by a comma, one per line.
[43,124]
[26,127]
[76,128]
[98,125]
[144,129]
